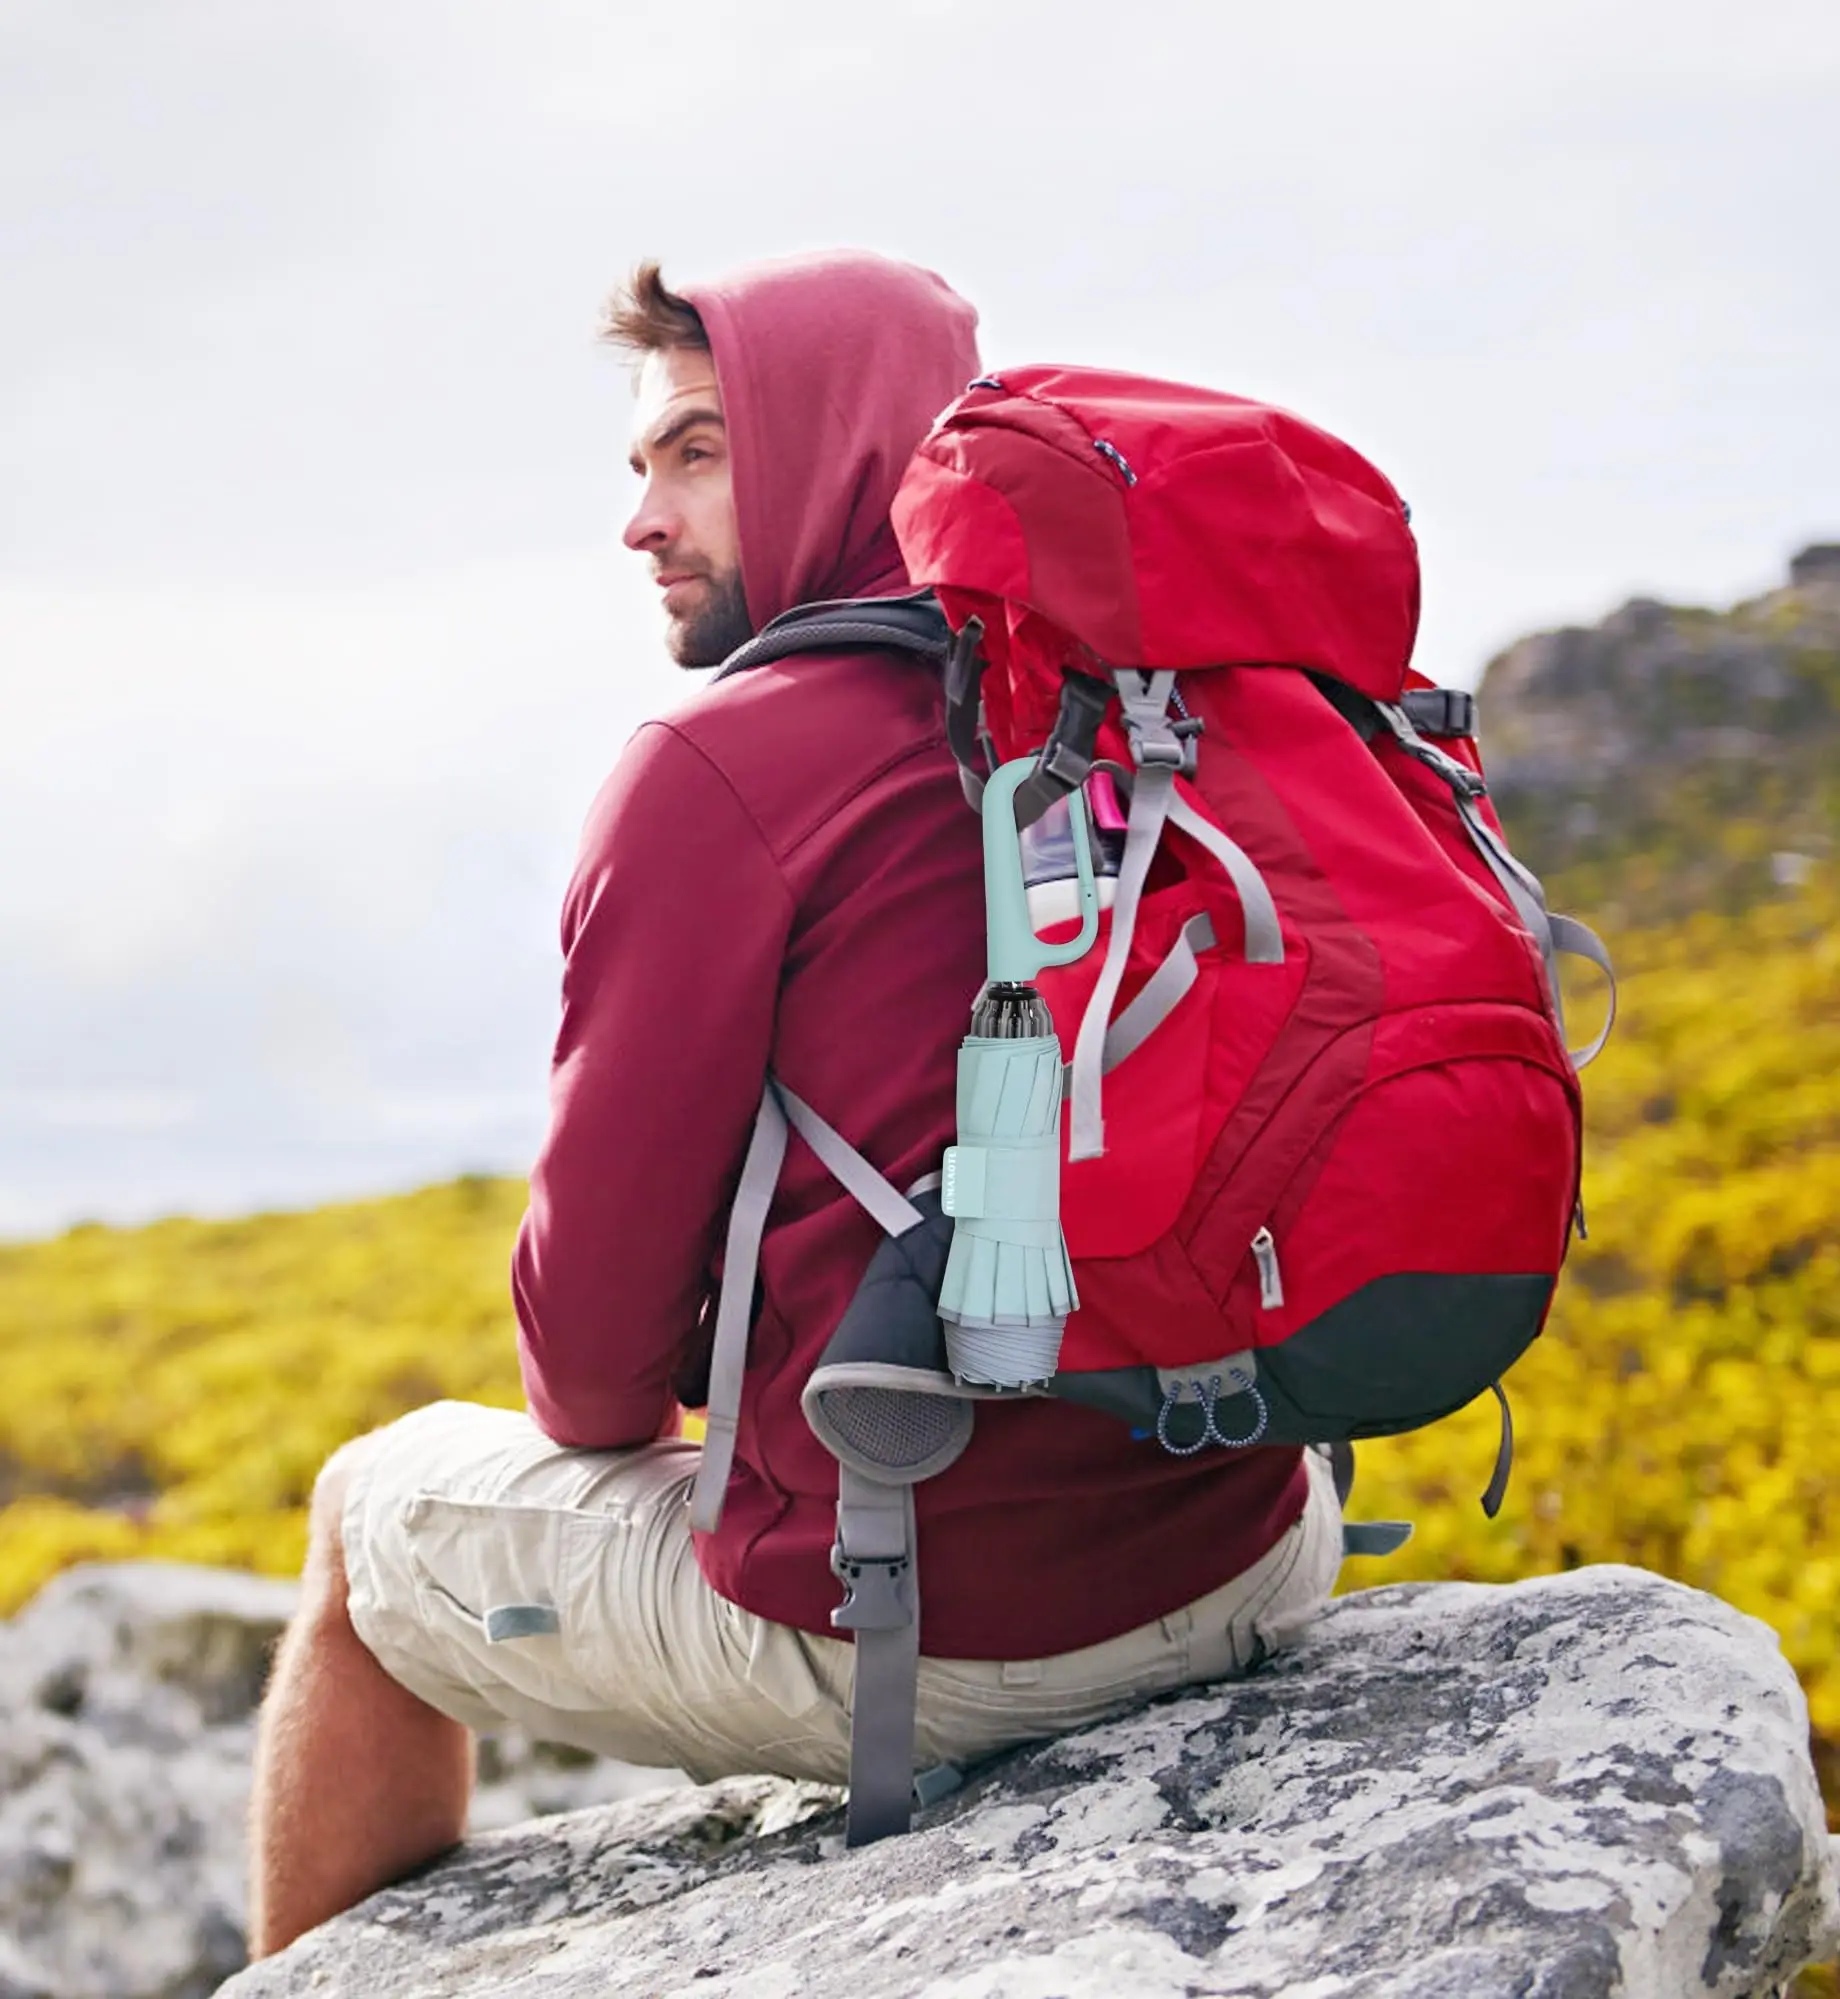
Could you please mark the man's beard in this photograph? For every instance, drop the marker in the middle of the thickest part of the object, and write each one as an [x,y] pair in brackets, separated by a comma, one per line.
[707,635]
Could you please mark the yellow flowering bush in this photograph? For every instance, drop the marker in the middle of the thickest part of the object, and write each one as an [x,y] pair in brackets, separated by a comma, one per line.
[1679,1410]
[171,1390]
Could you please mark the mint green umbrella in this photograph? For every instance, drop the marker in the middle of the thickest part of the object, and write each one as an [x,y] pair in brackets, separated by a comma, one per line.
[1009,1285]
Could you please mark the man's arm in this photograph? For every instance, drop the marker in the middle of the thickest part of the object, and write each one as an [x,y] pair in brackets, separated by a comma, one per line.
[673,933]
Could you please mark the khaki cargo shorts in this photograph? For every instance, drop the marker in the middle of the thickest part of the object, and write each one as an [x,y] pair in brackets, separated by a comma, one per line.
[459,1511]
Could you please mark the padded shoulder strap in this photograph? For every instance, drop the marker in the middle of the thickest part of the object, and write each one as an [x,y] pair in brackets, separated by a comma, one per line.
[913,624]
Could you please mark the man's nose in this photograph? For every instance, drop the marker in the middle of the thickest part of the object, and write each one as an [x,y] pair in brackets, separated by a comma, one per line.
[653,525]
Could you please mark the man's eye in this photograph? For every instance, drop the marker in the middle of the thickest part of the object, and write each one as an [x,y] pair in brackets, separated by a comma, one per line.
[692,452]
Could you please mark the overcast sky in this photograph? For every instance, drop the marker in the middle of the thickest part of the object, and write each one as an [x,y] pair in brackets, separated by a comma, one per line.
[315,634]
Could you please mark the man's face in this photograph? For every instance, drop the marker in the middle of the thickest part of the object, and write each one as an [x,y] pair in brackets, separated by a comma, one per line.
[685,521]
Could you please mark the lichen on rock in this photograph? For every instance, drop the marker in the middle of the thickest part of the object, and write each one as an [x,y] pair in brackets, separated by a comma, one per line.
[1577,1787]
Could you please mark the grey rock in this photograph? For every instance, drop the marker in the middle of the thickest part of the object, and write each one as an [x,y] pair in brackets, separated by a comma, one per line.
[1643,732]
[125,1694]
[1582,1786]
[1817,564]
[127,1702]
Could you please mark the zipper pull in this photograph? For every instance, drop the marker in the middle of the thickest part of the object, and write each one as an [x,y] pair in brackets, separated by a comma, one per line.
[1271,1278]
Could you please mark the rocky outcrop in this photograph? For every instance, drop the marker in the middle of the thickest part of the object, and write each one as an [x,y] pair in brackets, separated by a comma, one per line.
[127,1695]
[1816,565]
[1585,1785]
[1644,734]
[1581,1786]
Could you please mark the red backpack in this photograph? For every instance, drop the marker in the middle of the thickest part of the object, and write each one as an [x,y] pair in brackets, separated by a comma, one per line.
[1321,1127]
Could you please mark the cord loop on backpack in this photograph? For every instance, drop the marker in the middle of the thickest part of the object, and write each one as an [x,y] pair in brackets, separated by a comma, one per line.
[1208,1396]
[1245,1385]
[1168,1409]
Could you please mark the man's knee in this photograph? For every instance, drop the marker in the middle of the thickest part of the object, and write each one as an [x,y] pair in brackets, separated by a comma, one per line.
[323,1579]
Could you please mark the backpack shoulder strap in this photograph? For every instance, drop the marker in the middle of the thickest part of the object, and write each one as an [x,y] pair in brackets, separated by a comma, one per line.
[913,624]
[875,1554]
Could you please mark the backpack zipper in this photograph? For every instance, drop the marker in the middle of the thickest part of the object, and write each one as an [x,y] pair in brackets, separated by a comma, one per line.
[1271,1278]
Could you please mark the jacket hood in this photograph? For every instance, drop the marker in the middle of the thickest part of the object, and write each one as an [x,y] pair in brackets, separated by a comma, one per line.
[832,367]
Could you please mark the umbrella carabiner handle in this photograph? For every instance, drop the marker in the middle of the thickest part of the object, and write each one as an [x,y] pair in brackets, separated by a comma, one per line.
[1016,952]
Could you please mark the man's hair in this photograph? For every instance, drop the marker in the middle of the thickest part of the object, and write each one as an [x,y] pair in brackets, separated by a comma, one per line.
[644,318]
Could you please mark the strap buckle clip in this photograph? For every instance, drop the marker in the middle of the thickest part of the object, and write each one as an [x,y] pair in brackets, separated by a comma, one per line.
[1067,756]
[1166,751]
[1441,711]
[877,1591]
[1158,739]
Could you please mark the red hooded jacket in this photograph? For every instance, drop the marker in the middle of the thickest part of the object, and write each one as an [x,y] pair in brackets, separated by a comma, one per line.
[784,874]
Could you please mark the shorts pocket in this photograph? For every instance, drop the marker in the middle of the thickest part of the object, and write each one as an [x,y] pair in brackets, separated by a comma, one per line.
[468,1560]
[799,1675]
[641,1623]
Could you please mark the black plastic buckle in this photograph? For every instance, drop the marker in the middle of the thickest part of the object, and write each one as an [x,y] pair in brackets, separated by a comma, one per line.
[1067,756]
[1441,711]
[875,1592]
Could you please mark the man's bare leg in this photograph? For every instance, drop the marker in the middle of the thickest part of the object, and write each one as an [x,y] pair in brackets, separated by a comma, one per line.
[357,1781]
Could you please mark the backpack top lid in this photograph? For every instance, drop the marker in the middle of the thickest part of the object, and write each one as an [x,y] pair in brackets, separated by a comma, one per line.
[1084,514]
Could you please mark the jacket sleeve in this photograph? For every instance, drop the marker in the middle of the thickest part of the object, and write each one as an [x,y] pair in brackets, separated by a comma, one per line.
[673,933]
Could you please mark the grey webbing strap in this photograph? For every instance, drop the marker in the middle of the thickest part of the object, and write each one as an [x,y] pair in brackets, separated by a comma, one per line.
[1144,698]
[1362,1537]
[874,1558]
[1552,934]
[1264,935]
[1519,884]
[1161,994]
[1523,891]
[747,1222]
[1374,1537]
[1465,782]
[1504,1456]
[1160,752]
[1573,939]
[1341,1465]
[841,1160]
[1150,797]
[875,1554]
